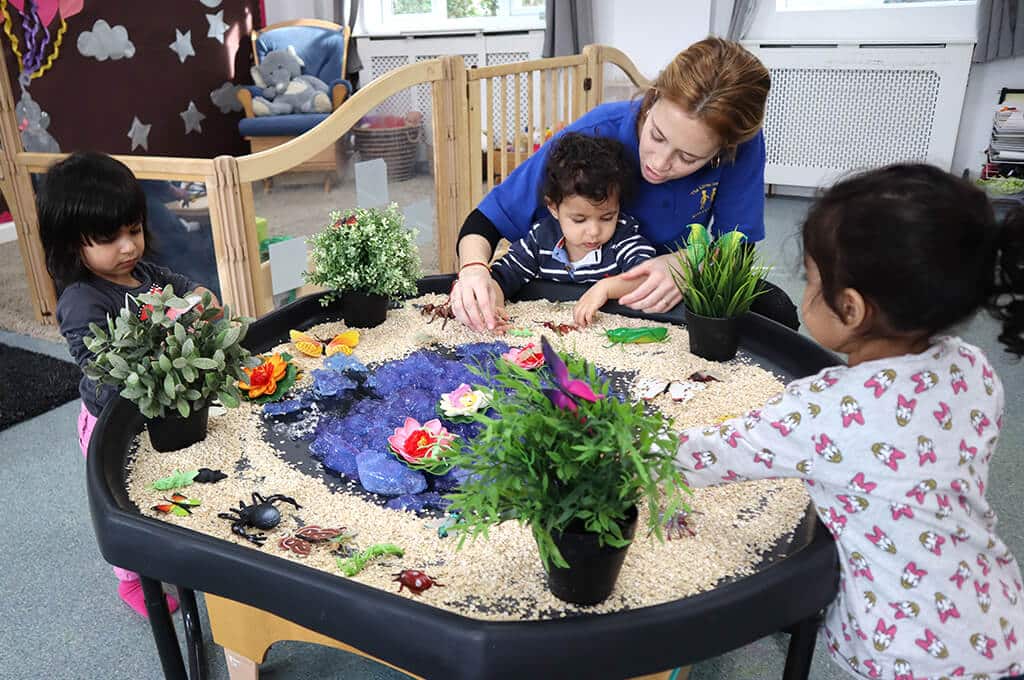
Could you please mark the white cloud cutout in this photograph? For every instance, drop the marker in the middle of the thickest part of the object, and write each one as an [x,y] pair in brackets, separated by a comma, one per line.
[105,42]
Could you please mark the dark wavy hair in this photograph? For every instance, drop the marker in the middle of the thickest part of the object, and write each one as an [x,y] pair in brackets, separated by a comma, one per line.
[592,167]
[82,200]
[923,247]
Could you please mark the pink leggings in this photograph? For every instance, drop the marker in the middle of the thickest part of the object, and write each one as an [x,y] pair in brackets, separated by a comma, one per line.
[86,422]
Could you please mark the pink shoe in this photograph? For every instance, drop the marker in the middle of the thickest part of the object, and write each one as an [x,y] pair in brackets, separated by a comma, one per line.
[131,594]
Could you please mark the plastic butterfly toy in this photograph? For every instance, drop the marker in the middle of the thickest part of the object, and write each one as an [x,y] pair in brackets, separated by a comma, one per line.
[312,346]
[567,390]
[178,505]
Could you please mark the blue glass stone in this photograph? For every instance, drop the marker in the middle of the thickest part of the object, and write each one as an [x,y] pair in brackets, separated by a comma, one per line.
[345,363]
[428,500]
[331,383]
[382,473]
[449,481]
[343,458]
[281,408]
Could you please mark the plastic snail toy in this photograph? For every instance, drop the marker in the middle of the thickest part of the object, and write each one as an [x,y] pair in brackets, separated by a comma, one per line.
[636,336]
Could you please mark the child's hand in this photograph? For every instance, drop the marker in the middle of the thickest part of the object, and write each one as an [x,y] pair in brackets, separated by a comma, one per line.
[588,304]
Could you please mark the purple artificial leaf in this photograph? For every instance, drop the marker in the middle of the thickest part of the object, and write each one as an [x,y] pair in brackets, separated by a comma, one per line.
[554,362]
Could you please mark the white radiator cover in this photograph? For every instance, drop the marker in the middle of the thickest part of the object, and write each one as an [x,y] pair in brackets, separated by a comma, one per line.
[381,55]
[839,107]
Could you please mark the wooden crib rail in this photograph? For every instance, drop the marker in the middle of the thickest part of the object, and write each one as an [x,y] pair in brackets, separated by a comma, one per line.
[475,126]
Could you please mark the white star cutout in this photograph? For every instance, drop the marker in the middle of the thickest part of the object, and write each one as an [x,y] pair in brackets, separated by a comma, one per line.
[210,3]
[182,45]
[217,26]
[192,118]
[139,134]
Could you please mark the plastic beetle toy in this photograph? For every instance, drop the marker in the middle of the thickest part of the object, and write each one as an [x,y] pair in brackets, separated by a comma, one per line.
[260,515]
[415,580]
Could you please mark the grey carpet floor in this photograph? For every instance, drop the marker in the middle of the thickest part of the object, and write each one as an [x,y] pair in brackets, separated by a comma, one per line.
[61,617]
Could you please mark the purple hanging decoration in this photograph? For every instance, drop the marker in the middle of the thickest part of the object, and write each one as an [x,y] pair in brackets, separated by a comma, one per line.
[32,58]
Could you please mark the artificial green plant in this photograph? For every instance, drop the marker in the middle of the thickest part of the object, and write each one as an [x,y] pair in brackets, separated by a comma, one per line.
[367,250]
[179,356]
[720,277]
[549,464]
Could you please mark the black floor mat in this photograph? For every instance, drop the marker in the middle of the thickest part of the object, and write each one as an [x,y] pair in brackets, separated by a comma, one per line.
[33,383]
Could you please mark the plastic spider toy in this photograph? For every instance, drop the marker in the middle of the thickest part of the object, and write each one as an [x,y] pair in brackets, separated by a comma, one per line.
[415,580]
[260,515]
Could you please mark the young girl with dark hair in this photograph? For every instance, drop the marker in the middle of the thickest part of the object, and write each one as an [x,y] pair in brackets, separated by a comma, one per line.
[583,238]
[92,220]
[895,447]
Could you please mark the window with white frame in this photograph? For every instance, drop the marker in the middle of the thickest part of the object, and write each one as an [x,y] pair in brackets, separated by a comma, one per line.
[385,17]
[807,5]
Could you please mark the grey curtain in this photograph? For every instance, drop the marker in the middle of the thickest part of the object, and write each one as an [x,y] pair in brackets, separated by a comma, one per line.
[1000,30]
[741,18]
[569,27]
[354,64]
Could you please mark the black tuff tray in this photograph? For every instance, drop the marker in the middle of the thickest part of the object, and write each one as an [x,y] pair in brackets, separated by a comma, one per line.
[792,584]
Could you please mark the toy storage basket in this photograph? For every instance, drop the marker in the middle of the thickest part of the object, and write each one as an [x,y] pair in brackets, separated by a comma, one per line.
[396,145]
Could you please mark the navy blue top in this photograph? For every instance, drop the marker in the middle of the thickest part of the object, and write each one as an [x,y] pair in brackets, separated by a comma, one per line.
[93,299]
[542,254]
[732,193]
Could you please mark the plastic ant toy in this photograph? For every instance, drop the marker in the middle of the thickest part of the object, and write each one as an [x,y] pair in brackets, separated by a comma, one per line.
[260,515]
[441,311]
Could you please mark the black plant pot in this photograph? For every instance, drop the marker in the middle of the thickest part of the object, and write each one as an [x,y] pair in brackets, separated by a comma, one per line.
[593,568]
[713,338]
[173,432]
[364,310]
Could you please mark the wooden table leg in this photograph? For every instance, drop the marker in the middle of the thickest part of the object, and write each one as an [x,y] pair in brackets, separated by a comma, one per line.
[241,667]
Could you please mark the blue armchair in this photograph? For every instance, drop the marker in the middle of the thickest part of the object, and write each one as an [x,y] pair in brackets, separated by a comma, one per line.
[323,48]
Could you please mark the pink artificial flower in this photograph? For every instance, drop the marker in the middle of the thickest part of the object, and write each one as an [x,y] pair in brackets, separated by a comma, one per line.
[528,357]
[415,443]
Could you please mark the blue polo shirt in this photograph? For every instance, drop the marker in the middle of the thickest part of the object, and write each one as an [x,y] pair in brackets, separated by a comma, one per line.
[731,195]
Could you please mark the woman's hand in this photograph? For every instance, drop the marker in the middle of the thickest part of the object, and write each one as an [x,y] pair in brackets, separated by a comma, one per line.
[658,293]
[474,300]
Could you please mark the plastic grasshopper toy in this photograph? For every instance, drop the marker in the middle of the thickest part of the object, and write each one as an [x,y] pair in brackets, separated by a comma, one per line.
[636,336]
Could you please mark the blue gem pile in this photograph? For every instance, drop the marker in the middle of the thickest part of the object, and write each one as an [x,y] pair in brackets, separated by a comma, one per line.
[356,409]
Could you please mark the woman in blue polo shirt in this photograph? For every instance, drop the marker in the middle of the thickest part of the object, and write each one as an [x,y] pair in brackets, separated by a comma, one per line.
[696,137]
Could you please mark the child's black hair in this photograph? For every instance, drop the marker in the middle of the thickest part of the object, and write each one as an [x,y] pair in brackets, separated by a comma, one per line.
[592,167]
[85,199]
[924,249]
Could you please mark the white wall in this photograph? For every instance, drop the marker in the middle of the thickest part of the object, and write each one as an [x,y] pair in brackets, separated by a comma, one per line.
[896,23]
[651,32]
[284,10]
[983,86]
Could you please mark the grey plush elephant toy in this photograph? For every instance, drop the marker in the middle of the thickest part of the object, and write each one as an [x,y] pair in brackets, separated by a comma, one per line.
[285,89]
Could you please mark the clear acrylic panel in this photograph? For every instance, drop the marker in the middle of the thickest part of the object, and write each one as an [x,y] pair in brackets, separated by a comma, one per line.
[387,158]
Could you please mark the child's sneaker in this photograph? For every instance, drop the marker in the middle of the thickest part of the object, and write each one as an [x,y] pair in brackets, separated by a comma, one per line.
[132,595]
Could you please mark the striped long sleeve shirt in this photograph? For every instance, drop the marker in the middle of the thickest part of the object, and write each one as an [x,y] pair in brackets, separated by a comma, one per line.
[541,254]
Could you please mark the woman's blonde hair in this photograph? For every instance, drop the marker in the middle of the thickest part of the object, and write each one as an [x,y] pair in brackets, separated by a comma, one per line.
[720,83]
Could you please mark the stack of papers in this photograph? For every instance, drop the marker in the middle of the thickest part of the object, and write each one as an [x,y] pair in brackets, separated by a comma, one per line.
[1007,144]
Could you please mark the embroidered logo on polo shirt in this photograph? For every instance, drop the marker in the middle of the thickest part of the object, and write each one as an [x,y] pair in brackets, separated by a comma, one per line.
[707,193]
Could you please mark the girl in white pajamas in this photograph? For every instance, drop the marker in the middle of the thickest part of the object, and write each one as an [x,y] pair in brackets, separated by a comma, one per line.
[895,447]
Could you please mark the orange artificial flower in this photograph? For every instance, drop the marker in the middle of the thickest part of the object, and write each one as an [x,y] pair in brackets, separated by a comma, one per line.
[263,379]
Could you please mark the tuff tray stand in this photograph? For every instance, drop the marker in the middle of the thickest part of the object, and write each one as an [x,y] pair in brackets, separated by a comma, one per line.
[787,592]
